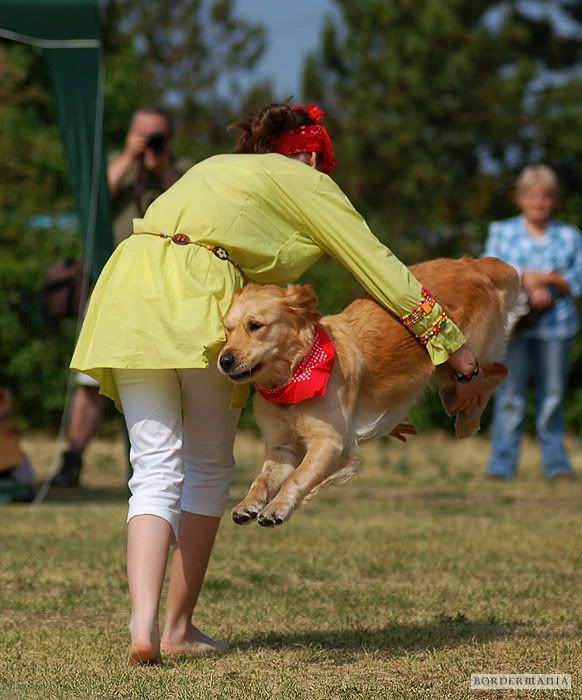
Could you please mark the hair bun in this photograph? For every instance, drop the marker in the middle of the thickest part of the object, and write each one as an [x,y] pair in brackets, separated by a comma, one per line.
[313,112]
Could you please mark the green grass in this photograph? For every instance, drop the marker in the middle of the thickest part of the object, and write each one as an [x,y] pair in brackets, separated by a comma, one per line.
[398,584]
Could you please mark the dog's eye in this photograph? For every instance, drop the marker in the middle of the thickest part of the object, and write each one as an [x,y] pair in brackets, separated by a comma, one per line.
[254,326]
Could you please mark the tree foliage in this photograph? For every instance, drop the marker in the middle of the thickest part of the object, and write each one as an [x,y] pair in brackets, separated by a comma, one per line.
[33,178]
[435,105]
[187,55]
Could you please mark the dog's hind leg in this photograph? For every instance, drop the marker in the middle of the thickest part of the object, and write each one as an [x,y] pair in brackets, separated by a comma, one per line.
[321,461]
[279,464]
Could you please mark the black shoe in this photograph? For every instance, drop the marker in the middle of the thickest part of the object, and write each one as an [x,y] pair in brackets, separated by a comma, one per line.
[70,470]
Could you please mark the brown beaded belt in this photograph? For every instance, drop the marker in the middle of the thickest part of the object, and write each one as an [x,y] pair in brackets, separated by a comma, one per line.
[183,239]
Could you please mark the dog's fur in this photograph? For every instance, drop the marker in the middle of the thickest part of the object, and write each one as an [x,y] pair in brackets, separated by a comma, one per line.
[380,372]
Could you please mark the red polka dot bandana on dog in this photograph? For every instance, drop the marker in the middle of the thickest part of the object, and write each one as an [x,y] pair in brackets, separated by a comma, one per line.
[311,376]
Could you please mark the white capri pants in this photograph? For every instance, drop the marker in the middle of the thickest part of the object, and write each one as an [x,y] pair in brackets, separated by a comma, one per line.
[181,430]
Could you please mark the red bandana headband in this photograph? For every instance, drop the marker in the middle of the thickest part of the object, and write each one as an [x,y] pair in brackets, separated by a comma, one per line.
[311,376]
[311,138]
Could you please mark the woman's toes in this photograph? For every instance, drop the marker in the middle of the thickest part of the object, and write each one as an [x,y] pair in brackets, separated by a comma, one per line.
[196,642]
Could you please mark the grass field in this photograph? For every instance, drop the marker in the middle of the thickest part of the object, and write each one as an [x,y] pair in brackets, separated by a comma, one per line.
[398,584]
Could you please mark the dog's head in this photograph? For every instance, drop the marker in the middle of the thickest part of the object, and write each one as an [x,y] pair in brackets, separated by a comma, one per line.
[268,331]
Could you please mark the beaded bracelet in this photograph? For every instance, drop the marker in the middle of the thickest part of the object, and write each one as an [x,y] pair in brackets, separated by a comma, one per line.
[435,329]
[423,308]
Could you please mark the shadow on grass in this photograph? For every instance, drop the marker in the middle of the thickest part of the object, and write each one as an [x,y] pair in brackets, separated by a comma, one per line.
[92,494]
[395,639]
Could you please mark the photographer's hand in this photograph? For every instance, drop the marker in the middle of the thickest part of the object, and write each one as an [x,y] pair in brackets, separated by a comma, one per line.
[135,145]
[159,163]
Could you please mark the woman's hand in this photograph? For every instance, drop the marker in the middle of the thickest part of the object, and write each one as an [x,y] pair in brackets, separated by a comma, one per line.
[530,280]
[463,361]
[540,298]
[471,393]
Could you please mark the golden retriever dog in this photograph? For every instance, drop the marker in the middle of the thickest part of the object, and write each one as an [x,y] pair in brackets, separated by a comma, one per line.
[380,371]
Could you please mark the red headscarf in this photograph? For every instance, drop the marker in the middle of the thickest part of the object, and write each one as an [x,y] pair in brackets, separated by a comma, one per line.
[311,138]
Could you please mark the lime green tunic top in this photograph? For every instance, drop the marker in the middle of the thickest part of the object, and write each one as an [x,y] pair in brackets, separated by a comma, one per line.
[158,305]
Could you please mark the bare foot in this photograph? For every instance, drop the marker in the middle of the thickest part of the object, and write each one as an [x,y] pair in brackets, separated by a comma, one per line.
[144,655]
[193,642]
[145,645]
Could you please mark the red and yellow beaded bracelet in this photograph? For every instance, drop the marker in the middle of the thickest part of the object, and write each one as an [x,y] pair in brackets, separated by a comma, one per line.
[435,329]
[423,308]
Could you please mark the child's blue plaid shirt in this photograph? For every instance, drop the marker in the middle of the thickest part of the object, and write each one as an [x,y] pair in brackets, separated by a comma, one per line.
[560,250]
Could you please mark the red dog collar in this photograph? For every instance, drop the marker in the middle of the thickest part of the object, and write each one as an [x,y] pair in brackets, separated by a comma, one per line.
[311,376]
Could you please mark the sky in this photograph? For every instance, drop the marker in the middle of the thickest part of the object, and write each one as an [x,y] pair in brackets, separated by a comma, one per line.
[293,28]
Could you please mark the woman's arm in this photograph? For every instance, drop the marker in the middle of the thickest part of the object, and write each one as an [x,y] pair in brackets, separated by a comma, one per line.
[567,282]
[338,229]
[531,280]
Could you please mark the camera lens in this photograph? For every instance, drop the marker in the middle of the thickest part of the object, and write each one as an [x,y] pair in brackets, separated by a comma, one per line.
[157,142]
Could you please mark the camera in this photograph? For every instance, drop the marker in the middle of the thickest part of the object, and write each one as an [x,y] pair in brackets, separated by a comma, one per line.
[157,142]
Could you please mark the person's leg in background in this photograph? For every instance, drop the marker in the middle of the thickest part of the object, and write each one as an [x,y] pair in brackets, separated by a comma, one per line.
[84,420]
[509,411]
[152,408]
[551,363]
[209,431]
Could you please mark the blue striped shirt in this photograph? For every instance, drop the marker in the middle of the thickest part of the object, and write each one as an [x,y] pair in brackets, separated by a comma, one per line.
[558,250]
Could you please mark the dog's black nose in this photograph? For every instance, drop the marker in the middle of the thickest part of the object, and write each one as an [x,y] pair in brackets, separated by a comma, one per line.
[227,361]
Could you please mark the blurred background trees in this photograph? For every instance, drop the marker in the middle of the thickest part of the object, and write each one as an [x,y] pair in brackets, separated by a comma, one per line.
[433,107]
[436,105]
[189,55]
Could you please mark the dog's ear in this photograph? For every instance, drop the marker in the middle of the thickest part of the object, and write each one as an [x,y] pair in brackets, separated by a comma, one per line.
[303,300]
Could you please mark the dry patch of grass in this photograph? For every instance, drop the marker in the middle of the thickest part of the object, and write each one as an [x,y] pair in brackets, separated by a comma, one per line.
[398,584]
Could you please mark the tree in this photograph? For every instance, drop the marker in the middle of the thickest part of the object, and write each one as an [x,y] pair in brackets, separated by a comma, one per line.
[33,178]
[188,55]
[433,103]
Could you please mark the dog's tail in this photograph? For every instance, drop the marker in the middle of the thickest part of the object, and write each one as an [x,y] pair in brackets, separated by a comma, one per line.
[503,276]
[506,279]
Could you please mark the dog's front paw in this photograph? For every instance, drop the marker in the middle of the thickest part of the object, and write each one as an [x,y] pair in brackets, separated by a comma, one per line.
[244,513]
[274,514]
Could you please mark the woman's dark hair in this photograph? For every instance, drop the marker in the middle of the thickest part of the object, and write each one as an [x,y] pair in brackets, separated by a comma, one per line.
[274,119]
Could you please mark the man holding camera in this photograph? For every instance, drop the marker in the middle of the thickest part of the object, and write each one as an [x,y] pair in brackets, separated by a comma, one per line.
[141,172]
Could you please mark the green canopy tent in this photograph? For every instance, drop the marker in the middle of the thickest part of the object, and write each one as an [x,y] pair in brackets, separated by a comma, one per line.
[68,33]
